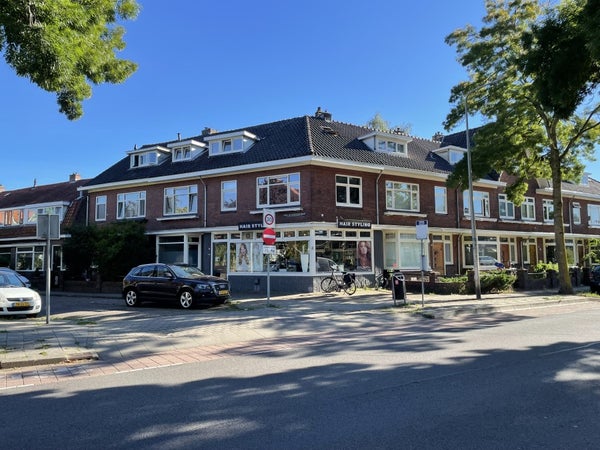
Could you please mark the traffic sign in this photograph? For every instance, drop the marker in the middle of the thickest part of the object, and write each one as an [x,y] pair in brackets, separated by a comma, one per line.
[422,231]
[269,250]
[269,236]
[268,218]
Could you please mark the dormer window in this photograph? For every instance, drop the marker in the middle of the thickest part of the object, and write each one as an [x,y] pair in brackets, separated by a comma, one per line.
[390,146]
[182,153]
[451,154]
[385,142]
[146,157]
[222,144]
[185,150]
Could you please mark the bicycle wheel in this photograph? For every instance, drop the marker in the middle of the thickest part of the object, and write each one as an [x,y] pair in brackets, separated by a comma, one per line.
[350,288]
[328,285]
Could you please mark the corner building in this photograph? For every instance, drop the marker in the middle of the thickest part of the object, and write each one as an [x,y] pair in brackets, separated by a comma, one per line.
[340,192]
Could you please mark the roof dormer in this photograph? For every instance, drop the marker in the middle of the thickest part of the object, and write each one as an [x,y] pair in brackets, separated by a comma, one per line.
[451,153]
[186,150]
[147,156]
[226,143]
[386,142]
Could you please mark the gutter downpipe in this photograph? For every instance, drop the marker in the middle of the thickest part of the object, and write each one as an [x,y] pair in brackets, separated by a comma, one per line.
[377,194]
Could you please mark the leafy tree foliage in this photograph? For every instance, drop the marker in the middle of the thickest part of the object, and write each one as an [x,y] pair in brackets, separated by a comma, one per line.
[377,122]
[113,249]
[540,126]
[64,45]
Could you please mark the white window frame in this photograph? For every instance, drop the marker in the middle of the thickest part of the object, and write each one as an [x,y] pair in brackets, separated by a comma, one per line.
[506,208]
[131,201]
[441,199]
[183,153]
[528,209]
[481,203]
[289,181]
[229,191]
[100,209]
[389,146]
[347,188]
[180,200]
[576,214]
[410,191]
[548,210]
[594,215]
[144,159]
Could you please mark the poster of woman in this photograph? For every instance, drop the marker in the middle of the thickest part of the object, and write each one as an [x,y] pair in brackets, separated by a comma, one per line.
[363,256]
[243,259]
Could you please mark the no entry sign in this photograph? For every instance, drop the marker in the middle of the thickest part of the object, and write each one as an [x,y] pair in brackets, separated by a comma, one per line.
[269,236]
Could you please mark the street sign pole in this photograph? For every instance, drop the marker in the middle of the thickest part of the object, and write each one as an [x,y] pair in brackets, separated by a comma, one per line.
[422,234]
[269,237]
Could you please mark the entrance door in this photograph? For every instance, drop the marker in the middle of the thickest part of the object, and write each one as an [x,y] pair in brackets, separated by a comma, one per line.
[438,258]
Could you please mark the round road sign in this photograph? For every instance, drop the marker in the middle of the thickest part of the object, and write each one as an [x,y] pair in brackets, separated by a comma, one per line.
[269,236]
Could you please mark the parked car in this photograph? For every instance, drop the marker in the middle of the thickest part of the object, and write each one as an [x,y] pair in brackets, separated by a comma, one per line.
[595,279]
[489,263]
[23,278]
[15,297]
[184,285]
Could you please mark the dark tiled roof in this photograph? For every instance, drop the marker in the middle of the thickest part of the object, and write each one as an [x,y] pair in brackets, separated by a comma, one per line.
[48,193]
[286,139]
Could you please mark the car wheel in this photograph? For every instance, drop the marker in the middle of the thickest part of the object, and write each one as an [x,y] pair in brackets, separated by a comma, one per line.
[131,298]
[186,299]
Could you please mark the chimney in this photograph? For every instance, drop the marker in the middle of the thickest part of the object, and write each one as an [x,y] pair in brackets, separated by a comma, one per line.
[437,137]
[74,177]
[2,188]
[323,115]
[208,131]
[585,179]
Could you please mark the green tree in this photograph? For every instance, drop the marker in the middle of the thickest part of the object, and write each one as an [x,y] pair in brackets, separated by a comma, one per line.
[377,122]
[80,250]
[64,45]
[121,246]
[529,134]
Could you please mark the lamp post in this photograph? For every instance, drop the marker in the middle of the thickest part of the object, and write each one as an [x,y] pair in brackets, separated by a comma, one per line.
[475,247]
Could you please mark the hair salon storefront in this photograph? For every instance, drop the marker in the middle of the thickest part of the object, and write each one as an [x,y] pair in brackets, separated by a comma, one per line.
[303,255]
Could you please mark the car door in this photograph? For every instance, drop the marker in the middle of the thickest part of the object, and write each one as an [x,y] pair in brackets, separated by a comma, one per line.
[145,280]
[165,283]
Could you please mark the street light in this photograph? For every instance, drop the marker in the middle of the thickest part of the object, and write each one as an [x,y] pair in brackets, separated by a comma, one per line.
[472,210]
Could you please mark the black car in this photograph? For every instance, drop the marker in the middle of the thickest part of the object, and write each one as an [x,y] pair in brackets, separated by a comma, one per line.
[185,285]
[595,280]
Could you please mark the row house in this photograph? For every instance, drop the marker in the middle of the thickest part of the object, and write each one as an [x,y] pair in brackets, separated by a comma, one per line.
[340,192]
[20,248]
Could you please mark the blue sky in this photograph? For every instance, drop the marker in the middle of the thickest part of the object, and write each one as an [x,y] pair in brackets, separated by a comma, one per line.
[236,63]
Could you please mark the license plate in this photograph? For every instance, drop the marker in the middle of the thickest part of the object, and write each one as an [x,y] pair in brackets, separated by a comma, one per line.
[20,304]
[224,292]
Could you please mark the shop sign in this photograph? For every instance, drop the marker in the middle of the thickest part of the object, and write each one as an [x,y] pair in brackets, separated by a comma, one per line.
[244,226]
[354,223]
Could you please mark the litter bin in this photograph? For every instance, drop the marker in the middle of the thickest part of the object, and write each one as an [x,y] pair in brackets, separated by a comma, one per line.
[398,287]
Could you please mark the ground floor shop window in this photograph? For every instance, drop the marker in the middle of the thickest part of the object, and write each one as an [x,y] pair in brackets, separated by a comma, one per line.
[403,251]
[30,258]
[178,249]
[295,251]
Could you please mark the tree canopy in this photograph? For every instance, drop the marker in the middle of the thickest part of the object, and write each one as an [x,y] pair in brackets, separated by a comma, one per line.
[64,45]
[540,105]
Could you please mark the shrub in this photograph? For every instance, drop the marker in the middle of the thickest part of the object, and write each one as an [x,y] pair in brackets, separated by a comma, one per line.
[497,281]
[543,267]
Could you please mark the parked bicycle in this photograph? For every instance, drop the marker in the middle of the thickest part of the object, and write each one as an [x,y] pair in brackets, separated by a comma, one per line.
[382,280]
[345,282]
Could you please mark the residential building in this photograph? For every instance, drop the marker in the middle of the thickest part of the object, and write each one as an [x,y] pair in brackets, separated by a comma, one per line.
[340,192]
[20,247]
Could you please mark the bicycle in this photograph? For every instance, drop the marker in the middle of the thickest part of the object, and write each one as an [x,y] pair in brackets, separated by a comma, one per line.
[382,280]
[333,283]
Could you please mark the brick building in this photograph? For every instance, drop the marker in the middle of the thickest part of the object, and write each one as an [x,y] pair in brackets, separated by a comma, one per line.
[340,192]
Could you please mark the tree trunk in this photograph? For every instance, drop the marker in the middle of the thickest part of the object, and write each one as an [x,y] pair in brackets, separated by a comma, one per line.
[564,276]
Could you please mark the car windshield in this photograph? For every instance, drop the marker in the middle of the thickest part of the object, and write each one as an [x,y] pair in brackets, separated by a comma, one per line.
[9,279]
[187,271]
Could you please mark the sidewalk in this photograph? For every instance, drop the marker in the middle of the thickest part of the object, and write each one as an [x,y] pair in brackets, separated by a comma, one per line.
[116,334]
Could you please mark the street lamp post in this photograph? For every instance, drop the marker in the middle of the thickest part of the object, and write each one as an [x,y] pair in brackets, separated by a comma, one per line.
[475,247]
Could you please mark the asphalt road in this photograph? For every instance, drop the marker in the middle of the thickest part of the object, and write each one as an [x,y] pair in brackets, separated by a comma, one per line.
[527,381]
